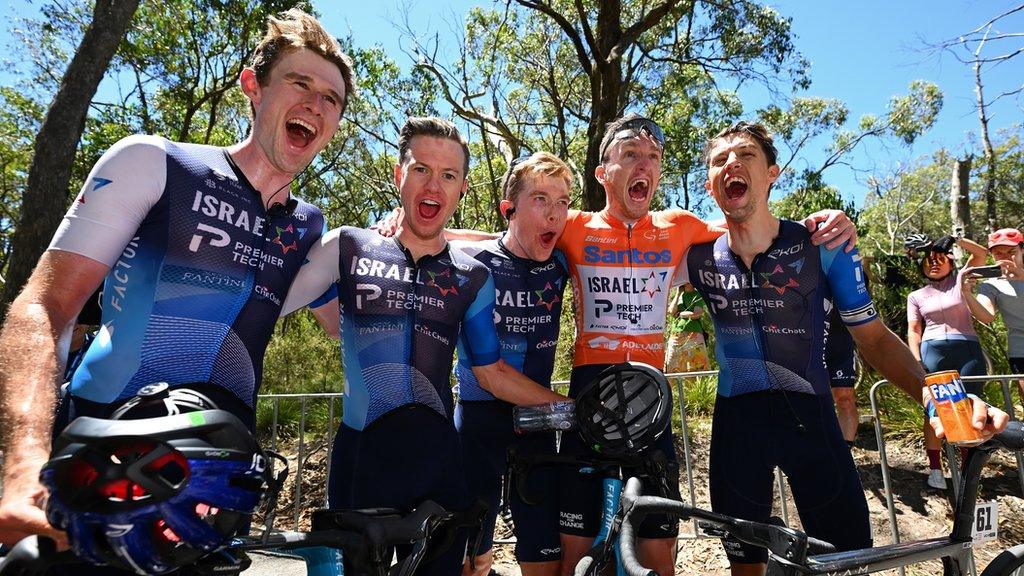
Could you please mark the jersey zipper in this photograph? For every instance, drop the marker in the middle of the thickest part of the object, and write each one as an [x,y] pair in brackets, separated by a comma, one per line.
[411,315]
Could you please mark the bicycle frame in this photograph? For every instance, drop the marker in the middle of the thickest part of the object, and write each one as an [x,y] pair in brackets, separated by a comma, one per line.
[611,489]
[789,548]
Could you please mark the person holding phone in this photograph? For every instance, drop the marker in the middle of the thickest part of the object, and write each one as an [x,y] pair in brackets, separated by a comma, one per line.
[939,329]
[1002,293]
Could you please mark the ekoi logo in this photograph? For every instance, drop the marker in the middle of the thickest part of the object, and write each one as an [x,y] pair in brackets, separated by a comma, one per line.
[217,237]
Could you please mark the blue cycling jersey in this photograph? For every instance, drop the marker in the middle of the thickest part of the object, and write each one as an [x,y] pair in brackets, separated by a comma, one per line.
[400,321]
[770,319]
[199,268]
[528,304]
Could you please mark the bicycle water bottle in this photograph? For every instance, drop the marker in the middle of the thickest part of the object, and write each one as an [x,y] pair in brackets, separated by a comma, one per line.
[545,417]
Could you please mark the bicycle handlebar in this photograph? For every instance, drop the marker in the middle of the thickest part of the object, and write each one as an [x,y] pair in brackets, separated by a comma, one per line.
[362,535]
[784,543]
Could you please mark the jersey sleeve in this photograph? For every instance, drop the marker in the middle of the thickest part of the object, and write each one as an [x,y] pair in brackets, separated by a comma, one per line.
[845,276]
[117,196]
[696,231]
[989,290]
[478,334]
[316,277]
[913,309]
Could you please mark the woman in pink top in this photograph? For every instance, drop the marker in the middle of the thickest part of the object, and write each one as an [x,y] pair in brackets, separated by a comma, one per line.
[940,331]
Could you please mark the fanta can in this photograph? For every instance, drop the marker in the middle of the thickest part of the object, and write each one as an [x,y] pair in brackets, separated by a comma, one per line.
[953,406]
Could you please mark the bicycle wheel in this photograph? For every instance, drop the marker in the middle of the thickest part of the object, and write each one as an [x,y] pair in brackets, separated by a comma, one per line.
[1009,563]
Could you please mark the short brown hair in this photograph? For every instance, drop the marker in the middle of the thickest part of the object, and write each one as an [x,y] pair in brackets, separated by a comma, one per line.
[536,164]
[294,30]
[435,127]
[757,132]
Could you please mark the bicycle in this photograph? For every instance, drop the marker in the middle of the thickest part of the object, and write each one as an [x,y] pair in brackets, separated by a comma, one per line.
[794,553]
[367,539]
[156,494]
[620,415]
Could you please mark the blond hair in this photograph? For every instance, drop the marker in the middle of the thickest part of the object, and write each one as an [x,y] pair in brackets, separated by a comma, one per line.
[294,30]
[537,164]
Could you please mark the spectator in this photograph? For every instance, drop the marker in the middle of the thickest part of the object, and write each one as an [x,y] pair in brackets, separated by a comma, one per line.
[1004,295]
[940,333]
[687,345]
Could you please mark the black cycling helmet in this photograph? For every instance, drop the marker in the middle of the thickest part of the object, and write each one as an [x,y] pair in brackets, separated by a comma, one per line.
[625,409]
[153,494]
[916,241]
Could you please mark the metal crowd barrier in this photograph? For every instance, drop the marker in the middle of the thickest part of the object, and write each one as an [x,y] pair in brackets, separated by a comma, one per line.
[335,397]
[952,454]
[678,379]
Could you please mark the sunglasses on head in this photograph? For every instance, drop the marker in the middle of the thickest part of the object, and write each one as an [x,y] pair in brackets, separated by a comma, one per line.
[633,127]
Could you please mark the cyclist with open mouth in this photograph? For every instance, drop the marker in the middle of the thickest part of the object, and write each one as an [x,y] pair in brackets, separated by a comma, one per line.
[770,292]
[405,300]
[197,246]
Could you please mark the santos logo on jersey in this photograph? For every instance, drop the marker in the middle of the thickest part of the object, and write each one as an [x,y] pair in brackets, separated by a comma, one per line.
[593,254]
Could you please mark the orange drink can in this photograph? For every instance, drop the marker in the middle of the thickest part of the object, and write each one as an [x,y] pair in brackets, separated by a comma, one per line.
[954,407]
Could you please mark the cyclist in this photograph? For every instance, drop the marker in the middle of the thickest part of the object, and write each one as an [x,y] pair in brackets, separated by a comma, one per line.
[198,245]
[404,301]
[623,262]
[529,281]
[769,293]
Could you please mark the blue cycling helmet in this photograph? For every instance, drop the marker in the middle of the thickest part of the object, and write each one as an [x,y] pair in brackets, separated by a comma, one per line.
[151,495]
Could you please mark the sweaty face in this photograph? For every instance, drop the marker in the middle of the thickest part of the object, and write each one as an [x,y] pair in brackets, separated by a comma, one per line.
[430,182]
[630,174]
[297,112]
[739,176]
[541,208]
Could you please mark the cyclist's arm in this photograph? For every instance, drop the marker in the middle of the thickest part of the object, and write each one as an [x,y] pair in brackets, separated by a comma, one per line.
[328,316]
[316,276]
[914,333]
[833,228]
[33,351]
[494,375]
[467,234]
[978,253]
[114,201]
[884,350]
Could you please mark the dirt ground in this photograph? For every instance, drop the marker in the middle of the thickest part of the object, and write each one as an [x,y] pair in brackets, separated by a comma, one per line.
[921,512]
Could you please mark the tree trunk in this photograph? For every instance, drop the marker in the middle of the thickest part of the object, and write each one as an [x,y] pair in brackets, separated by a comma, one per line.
[46,193]
[605,93]
[990,156]
[960,198]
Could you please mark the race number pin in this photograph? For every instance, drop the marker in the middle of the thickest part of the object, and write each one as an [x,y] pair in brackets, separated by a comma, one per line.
[986,522]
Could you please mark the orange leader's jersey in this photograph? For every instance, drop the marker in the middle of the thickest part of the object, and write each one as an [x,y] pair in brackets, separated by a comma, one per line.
[621,278]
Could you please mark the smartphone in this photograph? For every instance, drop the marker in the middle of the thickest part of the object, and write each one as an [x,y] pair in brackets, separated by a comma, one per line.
[994,271]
